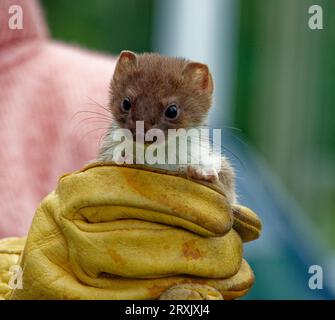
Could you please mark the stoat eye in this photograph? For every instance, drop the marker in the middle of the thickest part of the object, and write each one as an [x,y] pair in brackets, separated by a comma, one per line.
[172,111]
[126,104]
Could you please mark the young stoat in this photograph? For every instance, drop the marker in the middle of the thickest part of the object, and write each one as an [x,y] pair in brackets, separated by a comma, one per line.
[165,93]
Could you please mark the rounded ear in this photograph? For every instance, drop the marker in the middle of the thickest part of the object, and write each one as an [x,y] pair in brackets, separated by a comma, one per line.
[126,63]
[198,74]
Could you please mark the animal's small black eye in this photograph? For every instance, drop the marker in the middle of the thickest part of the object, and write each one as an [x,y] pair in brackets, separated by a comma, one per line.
[126,104]
[171,111]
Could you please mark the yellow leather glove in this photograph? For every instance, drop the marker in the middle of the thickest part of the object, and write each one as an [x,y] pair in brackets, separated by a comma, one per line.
[10,250]
[125,232]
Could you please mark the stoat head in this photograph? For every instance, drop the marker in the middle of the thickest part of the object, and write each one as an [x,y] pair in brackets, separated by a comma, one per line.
[164,92]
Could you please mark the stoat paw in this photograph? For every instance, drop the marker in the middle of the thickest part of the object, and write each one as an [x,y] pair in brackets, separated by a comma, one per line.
[191,292]
[205,174]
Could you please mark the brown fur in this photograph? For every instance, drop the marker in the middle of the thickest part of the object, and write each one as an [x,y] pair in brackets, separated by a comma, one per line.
[152,82]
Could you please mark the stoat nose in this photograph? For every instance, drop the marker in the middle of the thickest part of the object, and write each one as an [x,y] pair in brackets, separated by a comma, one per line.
[147,128]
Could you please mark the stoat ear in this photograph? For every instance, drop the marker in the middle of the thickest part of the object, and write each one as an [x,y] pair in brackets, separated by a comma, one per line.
[198,74]
[126,63]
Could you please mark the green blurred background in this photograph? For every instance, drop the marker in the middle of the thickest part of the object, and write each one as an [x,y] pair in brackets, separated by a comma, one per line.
[283,95]
[285,99]
[104,25]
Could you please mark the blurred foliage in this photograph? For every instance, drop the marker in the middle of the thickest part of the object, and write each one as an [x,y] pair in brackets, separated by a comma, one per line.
[285,98]
[104,25]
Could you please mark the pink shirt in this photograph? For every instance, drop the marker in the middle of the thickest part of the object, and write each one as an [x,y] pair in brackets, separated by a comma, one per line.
[43,84]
